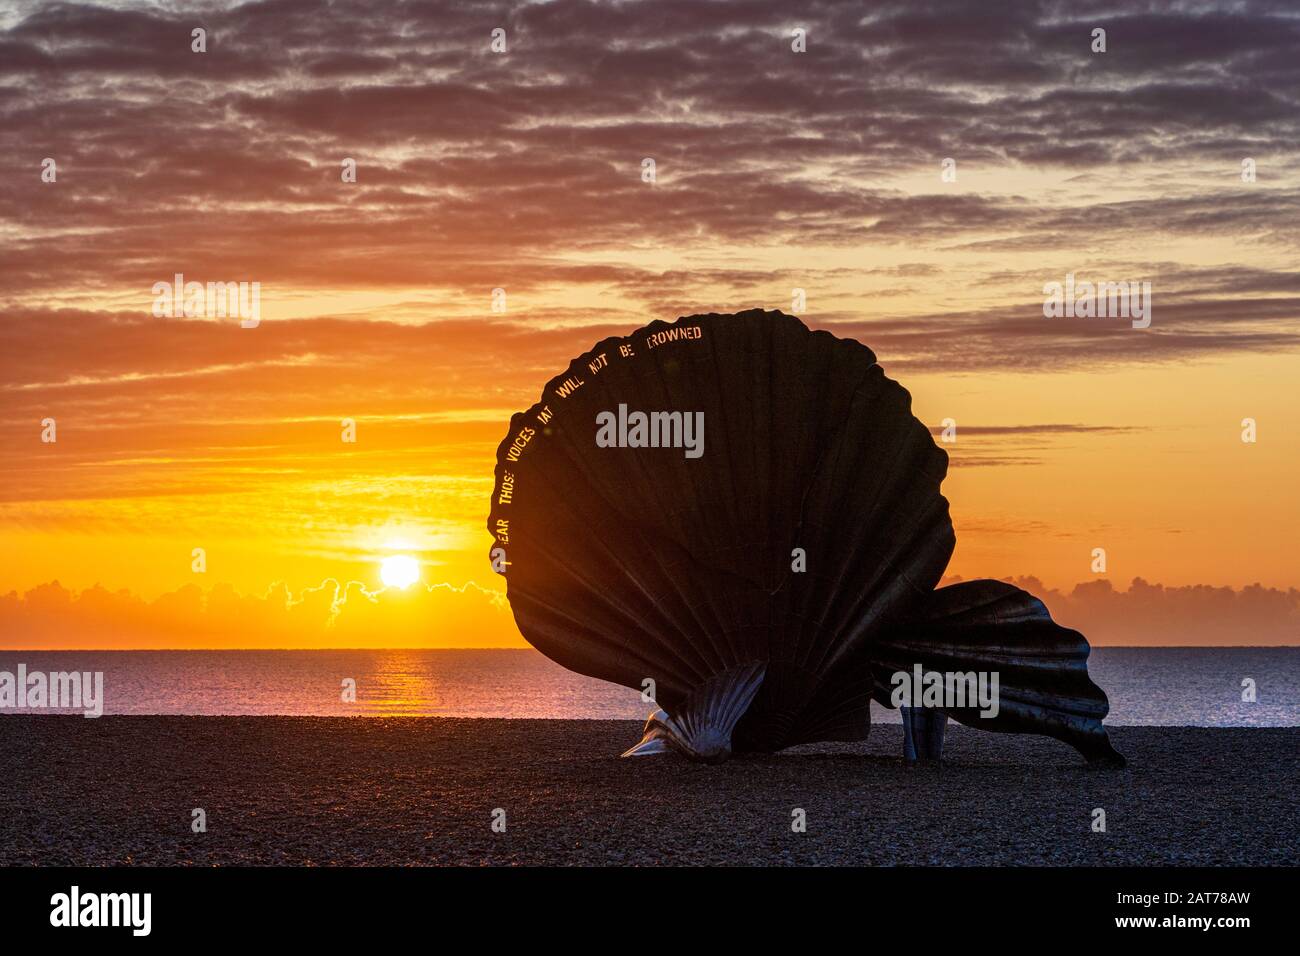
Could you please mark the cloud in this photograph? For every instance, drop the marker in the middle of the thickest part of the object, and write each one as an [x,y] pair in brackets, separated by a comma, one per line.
[1160,615]
[1036,429]
[337,615]
[776,170]
[332,615]
[474,166]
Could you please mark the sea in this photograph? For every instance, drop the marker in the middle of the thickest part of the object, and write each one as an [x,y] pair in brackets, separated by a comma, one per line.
[1168,686]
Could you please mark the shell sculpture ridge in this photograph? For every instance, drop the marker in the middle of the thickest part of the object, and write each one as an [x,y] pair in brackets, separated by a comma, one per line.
[741,517]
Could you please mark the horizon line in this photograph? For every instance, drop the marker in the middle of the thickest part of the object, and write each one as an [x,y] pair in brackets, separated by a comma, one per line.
[131,650]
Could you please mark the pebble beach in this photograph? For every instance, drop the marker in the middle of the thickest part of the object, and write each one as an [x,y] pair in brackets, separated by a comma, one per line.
[122,790]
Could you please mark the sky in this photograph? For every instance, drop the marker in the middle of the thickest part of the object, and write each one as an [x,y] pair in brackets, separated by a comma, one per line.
[523,170]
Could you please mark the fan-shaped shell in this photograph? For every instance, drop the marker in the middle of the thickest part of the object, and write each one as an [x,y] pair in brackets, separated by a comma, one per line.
[636,564]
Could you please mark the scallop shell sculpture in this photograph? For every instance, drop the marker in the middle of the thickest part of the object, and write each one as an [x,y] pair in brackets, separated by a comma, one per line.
[742,517]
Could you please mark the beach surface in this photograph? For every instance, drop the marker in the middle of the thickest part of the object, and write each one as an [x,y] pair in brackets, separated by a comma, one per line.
[420,791]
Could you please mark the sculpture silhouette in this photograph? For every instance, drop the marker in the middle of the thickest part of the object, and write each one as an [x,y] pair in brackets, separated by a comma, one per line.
[766,589]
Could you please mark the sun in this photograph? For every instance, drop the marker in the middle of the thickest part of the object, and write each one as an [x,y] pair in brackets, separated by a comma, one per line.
[399,571]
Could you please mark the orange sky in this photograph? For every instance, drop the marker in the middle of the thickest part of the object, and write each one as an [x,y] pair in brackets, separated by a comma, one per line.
[523,172]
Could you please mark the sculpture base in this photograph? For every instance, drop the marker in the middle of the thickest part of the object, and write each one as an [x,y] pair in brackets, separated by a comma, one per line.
[923,729]
[701,728]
